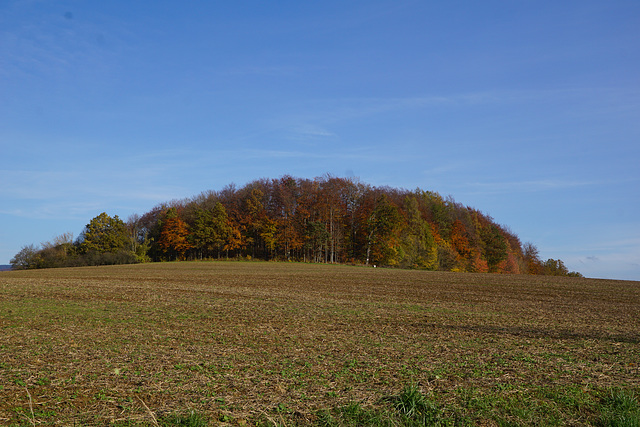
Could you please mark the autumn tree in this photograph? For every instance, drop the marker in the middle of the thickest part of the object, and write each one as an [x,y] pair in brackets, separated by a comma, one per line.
[286,203]
[174,235]
[352,201]
[268,234]
[532,259]
[63,252]
[230,199]
[447,257]
[332,213]
[138,235]
[460,241]
[252,218]
[234,237]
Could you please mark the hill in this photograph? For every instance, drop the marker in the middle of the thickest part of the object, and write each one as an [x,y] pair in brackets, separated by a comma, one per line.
[246,343]
[325,220]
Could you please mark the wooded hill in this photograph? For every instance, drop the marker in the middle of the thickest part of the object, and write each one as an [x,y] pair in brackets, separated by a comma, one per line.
[327,219]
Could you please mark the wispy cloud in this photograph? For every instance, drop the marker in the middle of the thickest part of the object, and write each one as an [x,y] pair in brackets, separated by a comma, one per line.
[75,193]
[611,250]
[25,184]
[624,263]
[324,112]
[504,187]
[307,132]
[609,246]
[447,168]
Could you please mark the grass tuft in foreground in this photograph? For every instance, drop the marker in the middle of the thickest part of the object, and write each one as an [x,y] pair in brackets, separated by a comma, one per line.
[620,409]
[410,408]
[414,408]
[193,419]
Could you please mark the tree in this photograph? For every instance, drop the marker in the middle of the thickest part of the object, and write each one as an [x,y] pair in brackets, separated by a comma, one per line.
[440,212]
[234,240]
[211,230]
[511,264]
[327,219]
[330,208]
[268,231]
[447,257]
[495,246]
[381,224]
[555,267]
[28,257]
[60,252]
[460,241]
[478,264]
[202,233]
[104,234]
[317,237]
[252,218]
[532,259]
[286,202]
[221,227]
[138,235]
[174,235]
[418,245]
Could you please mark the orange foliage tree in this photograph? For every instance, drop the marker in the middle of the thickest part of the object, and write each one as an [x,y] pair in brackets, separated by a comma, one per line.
[174,235]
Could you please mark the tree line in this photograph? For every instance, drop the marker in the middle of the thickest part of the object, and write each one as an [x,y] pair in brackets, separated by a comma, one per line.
[324,220]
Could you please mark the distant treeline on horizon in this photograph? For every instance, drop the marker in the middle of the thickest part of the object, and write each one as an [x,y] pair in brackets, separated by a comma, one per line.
[324,220]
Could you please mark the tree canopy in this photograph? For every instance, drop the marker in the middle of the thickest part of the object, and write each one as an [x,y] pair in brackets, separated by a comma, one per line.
[328,219]
[104,234]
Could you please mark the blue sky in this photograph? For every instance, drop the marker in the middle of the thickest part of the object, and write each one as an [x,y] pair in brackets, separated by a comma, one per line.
[526,110]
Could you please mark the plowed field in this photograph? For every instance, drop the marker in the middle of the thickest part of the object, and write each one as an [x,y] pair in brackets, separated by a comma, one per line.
[249,342]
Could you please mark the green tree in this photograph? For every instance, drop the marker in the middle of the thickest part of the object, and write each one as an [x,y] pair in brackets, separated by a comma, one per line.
[105,234]
[555,267]
[418,245]
[381,224]
[495,246]
[441,212]
[211,230]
